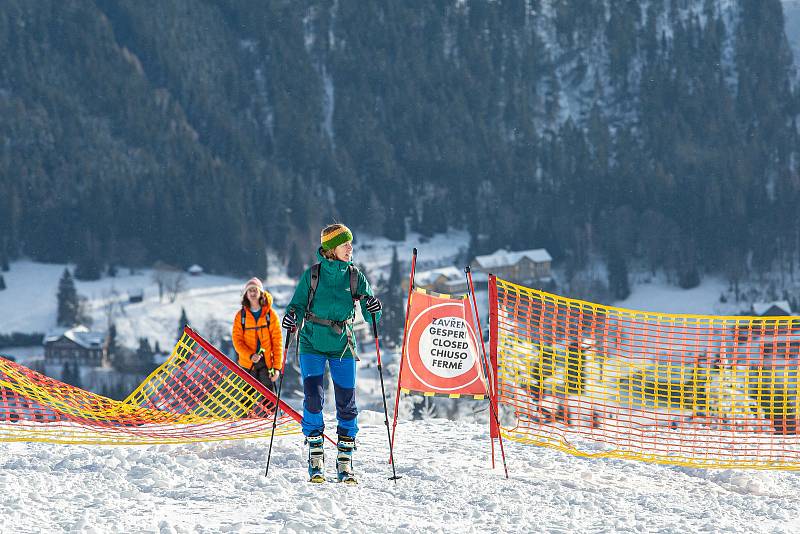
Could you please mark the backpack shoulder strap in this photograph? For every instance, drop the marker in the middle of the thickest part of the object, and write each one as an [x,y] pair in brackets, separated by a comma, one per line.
[353,282]
[312,287]
[242,314]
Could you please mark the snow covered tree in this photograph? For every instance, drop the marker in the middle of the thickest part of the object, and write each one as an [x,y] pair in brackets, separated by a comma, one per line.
[183,321]
[295,266]
[424,408]
[144,354]
[89,265]
[70,374]
[618,277]
[111,342]
[88,268]
[393,317]
[68,305]
[169,279]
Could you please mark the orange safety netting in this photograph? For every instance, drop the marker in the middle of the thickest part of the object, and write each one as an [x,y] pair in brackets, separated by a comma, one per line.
[593,380]
[198,394]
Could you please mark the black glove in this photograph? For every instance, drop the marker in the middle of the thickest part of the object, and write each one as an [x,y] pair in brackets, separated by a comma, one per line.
[289,322]
[373,304]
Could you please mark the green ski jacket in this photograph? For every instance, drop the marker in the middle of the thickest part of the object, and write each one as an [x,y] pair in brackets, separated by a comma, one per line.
[333,301]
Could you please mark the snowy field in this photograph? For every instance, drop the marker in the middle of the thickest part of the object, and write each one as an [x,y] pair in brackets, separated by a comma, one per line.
[659,296]
[29,302]
[447,486]
[211,301]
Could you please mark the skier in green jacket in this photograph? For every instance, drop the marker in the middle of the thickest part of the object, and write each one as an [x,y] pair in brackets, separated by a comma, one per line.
[324,303]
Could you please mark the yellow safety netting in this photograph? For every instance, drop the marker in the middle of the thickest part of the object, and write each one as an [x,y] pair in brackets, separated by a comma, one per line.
[599,381]
[198,394]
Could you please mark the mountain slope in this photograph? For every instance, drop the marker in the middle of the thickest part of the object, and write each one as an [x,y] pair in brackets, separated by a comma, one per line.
[661,131]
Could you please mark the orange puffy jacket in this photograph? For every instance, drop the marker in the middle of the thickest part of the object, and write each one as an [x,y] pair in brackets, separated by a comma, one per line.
[245,341]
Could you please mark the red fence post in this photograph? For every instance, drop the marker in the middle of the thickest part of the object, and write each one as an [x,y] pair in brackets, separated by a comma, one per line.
[494,432]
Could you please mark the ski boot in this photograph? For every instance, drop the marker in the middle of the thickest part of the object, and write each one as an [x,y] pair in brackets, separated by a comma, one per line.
[344,460]
[316,459]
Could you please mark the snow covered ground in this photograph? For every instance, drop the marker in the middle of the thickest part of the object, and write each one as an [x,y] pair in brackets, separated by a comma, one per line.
[447,486]
[659,296]
[29,302]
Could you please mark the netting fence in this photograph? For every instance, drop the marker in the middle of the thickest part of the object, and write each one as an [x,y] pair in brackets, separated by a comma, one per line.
[595,380]
[198,394]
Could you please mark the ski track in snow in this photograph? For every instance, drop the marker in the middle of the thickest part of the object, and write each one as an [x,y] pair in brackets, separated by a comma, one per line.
[448,485]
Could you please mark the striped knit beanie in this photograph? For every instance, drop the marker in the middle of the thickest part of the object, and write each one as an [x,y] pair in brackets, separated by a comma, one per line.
[334,235]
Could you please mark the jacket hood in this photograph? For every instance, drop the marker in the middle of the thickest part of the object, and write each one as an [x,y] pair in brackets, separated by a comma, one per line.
[268,298]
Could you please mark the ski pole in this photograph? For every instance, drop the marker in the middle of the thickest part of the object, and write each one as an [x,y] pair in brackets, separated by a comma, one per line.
[278,401]
[383,394]
[403,346]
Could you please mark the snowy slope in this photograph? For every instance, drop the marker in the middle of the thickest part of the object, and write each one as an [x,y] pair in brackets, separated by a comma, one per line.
[659,296]
[447,486]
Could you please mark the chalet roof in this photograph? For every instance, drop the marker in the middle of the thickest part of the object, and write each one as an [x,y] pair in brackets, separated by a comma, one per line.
[760,308]
[79,334]
[428,277]
[502,257]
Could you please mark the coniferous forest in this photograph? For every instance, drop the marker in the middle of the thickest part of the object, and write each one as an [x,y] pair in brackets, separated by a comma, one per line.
[661,132]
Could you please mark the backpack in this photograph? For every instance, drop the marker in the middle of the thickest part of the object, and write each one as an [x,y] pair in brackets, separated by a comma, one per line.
[312,290]
[338,326]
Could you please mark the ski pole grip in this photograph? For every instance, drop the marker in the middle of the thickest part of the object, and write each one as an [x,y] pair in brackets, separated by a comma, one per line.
[288,340]
[374,326]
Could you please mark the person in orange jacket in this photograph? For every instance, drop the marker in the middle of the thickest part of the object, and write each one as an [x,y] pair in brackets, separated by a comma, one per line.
[257,334]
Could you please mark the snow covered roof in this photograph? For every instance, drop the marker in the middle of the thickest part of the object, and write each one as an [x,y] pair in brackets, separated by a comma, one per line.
[760,308]
[195,269]
[428,277]
[504,257]
[79,334]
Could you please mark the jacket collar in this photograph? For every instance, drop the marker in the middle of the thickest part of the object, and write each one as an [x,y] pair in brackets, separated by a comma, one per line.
[332,265]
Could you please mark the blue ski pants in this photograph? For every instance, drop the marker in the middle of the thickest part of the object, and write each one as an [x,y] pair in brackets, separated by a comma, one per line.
[343,373]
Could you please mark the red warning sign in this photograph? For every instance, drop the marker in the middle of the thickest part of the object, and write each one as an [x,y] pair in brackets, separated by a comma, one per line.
[441,349]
